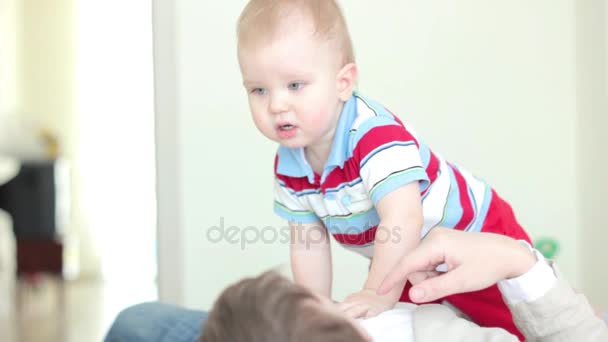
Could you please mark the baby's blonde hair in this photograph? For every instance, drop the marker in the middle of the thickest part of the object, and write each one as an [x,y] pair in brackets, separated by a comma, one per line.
[260,19]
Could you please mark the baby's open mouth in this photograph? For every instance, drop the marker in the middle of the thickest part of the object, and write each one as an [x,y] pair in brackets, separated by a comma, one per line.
[286,127]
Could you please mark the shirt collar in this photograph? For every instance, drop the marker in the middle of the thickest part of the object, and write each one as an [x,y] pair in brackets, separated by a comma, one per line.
[292,161]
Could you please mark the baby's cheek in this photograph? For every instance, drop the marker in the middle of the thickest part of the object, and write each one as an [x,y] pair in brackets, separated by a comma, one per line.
[320,117]
[260,122]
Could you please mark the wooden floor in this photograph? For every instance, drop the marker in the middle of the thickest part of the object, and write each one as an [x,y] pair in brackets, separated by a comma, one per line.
[77,311]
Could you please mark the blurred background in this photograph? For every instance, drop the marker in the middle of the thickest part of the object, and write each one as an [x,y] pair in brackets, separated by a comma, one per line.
[77,198]
[127,151]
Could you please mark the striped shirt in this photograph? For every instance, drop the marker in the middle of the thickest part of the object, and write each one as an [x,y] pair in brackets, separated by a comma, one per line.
[374,153]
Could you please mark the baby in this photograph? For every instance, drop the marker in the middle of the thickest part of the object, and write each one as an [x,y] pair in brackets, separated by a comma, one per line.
[347,167]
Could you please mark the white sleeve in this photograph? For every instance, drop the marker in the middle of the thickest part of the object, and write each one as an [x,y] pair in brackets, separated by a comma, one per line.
[531,285]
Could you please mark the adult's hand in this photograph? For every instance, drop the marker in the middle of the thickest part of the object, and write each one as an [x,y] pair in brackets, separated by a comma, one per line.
[474,261]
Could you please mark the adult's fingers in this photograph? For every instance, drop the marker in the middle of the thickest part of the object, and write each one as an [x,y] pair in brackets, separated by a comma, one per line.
[347,304]
[417,277]
[440,286]
[357,311]
[371,313]
[420,259]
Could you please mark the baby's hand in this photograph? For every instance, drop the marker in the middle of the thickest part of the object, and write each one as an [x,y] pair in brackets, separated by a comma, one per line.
[365,304]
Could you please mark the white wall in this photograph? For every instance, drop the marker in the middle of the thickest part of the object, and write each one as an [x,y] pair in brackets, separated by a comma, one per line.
[115,147]
[47,55]
[491,86]
[592,58]
[8,56]
[170,232]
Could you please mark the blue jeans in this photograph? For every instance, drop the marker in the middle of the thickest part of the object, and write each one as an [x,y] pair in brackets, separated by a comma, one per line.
[156,322]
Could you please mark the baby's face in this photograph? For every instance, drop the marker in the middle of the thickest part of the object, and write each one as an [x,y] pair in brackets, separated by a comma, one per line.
[291,84]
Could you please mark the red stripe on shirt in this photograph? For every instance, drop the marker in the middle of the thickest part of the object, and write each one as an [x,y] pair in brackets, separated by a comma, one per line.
[379,136]
[432,170]
[338,177]
[357,239]
[295,183]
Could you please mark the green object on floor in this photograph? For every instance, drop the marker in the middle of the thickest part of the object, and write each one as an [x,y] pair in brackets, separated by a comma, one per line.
[548,247]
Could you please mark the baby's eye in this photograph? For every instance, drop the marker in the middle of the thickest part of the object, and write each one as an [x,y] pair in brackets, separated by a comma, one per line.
[258,91]
[295,85]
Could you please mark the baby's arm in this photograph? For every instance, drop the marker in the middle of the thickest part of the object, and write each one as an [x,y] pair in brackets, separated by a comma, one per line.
[311,257]
[401,221]
[398,233]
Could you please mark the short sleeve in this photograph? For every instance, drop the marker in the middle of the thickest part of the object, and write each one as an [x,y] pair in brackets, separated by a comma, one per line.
[388,158]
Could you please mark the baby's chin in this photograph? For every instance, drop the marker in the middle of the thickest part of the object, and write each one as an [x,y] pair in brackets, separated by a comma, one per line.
[290,143]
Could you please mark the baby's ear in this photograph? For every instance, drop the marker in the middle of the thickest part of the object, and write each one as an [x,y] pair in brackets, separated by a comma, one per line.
[346,81]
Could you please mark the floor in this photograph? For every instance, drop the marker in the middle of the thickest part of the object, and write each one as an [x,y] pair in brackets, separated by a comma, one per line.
[54,311]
